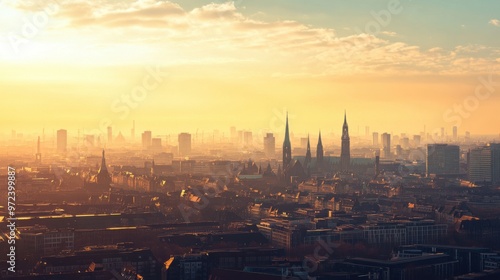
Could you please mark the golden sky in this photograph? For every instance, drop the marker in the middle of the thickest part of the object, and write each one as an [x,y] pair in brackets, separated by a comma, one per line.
[174,66]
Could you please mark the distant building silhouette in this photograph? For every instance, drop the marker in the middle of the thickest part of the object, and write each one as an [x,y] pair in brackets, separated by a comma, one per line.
[156,144]
[184,144]
[146,140]
[287,147]
[103,178]
[345,153]
[62,140]
[386,145]
[319,154]
[484,164]
[270,145]
[443,159]
[38,155]
[375,139]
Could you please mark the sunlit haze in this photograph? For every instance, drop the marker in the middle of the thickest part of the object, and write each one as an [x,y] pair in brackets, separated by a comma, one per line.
[69,64]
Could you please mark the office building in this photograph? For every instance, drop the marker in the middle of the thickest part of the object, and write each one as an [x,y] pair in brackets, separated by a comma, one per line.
[480,165]
[375,139]
[386,145]
[62,140]
[184,144]
[146,140]
[270,146]
[443,159]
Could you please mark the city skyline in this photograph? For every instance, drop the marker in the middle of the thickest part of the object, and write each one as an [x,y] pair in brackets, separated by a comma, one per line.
[185,66]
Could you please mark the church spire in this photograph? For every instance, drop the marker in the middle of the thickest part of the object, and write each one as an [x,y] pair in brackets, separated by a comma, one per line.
[345,153]
[103,164]
[287,147]
[103,177]
[319,153]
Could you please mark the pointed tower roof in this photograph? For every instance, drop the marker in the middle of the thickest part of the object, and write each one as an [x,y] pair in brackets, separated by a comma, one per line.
[287,136]
[308,153]
[319,139]
[103,167]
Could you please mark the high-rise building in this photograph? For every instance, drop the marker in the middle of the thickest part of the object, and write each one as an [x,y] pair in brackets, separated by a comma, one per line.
[480,167]
[319,153]
[417,139]
[495,163]
[367,132]
[146,140]
[386,145]
[270,145]
[375,139]
[455,133]
[38,155]
[287,146]
[443,159]
[184,144]
[345,153]
[156,144]
[248,138]
[484,164]
[405,142]
[110,134]
[62,140]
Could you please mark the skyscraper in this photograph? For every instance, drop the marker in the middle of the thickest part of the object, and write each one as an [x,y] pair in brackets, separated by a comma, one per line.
[443,159]
[455,133]
[345,153]
[156,144]
[416,140]
[386,145]
[484,164]
[146,140]
[287,147]
[495,163]
[38,155]
[319,153]
[480,167]
[62,140]
[184,144]
[270,145]
[247,138]
[375,139]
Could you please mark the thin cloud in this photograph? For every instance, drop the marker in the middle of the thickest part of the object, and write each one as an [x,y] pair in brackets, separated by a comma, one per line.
[495,22]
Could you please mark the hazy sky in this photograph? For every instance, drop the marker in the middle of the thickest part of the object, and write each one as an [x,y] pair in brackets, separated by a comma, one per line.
[186,65]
